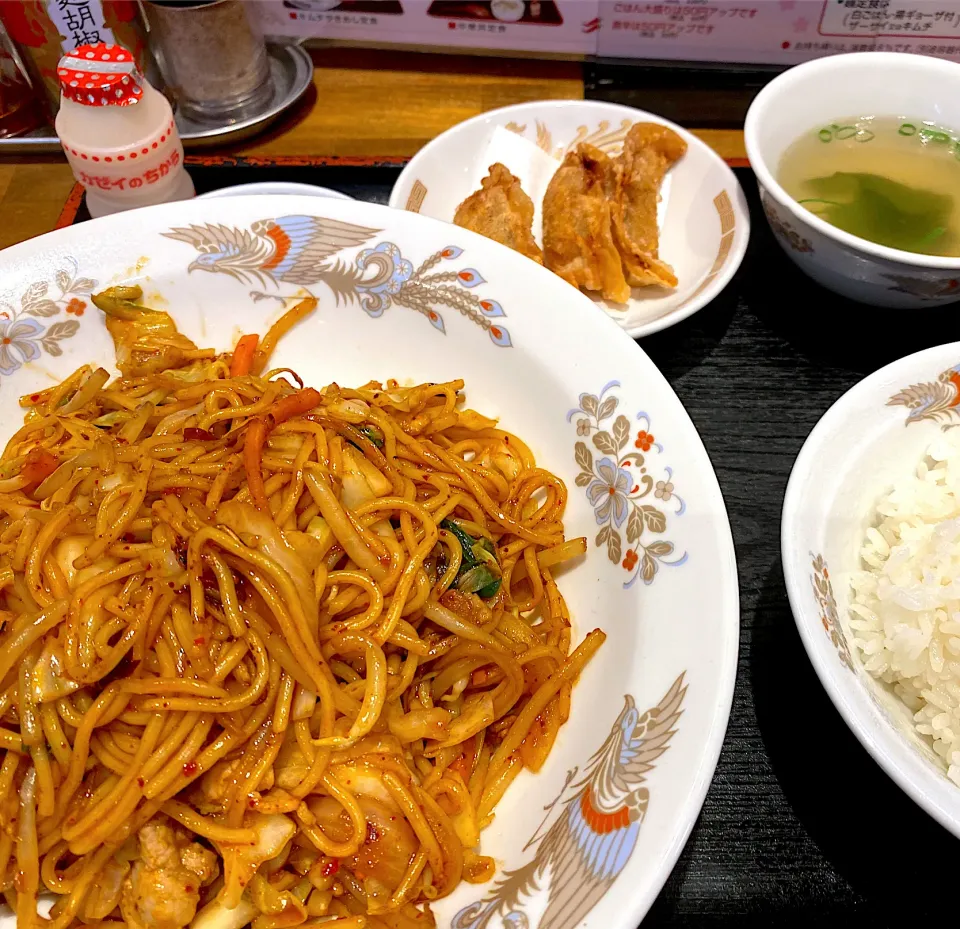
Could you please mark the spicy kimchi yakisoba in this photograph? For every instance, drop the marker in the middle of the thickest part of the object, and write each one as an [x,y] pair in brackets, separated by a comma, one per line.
[269,654]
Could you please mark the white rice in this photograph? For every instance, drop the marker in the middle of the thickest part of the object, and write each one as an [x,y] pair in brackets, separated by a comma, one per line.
[905,616]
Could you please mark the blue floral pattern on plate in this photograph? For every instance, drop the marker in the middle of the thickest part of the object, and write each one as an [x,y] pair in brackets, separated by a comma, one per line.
[23,338]
[619,486]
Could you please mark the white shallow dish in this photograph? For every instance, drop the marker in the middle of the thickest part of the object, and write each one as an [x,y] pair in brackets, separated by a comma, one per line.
[223,267]
[864,442]
[704,219]
[265,188]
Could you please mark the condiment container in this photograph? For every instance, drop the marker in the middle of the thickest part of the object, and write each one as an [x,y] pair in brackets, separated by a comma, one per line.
[211,56]
[118,132]
[19,109]
[44,30]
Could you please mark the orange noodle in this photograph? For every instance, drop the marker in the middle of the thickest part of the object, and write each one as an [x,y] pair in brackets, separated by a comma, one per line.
[269,654]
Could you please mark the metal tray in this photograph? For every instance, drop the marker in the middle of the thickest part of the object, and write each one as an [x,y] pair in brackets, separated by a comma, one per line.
[291,73]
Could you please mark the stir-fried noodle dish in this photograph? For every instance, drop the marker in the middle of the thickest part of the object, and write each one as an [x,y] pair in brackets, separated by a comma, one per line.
[270,654]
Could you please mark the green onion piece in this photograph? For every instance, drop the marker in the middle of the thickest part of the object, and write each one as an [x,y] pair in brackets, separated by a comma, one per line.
[113,418]
[479,570]
[475,579]
[482,556]
[373,434]
[491,590]
[466,543]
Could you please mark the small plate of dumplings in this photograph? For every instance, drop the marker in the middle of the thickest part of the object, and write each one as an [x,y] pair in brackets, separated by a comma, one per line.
[634,211]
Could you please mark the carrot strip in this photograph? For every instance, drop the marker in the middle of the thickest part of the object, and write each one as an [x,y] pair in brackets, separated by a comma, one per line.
[39,465]
[252,453]
[280,328]
[260,428]
[464,764]
[243,355]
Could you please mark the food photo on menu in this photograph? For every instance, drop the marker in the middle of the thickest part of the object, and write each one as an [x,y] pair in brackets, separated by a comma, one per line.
[542,12]
[394,496]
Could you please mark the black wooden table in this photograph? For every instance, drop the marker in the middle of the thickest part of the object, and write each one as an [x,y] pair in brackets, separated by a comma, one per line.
[799,823]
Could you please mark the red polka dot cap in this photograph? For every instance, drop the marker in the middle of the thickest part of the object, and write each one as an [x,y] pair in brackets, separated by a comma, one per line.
[100,75]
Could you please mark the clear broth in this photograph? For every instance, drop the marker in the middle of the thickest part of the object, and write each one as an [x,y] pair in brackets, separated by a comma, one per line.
[882,178]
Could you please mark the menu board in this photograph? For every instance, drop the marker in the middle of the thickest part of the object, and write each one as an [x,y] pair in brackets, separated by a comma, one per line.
[745,31]
[511,25]
[776,31]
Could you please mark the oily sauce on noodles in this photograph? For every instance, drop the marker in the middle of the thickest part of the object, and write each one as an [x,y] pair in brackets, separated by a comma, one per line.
[268,654]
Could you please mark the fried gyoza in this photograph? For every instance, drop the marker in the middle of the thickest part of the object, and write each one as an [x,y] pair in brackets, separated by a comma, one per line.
[578,242]
[501,211]
[648,152]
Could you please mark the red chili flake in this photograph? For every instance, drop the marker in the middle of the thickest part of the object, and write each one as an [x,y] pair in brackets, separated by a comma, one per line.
[193,434]
[188,889]
[199,640]
[330,868]
[140,782]
[122,441]
[190,768]
[34,398]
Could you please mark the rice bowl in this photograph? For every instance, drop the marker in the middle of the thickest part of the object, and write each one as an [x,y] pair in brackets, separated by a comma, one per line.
[870,542]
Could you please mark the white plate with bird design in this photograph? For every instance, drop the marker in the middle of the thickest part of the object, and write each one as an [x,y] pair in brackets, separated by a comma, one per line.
[589,840]
[272,188]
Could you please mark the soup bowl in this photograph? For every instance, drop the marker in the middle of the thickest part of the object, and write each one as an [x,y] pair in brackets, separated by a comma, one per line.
[912,87]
